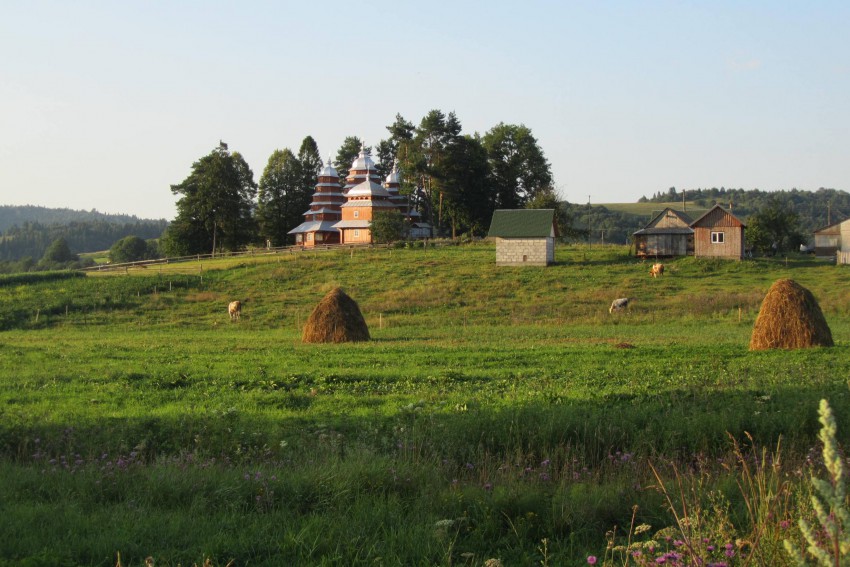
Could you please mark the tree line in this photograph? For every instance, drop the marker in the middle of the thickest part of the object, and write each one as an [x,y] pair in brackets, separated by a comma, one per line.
[456,181]
[815,209]
[12,215]
[27,246]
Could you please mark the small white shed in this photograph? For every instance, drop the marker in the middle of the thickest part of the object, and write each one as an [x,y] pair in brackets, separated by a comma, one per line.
[524,237]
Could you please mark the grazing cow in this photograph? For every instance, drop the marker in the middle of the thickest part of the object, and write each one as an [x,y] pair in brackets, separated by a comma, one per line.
[656,270]
[619,304]
[235,310]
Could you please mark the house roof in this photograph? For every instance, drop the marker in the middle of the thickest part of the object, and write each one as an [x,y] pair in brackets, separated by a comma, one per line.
[376,204]
[352,224]
[677,223]
[328,170]
[363,161]
[314,226]
[322,211]
[667,212]
[835,226]
[713,214]
[367,188]
[670,230]
[522,223]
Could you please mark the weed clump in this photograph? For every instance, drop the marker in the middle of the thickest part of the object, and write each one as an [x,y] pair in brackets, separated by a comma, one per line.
[789,318]
[336,319]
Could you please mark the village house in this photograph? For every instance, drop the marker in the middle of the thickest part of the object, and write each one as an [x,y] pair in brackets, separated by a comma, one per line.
[834,240]
[524,237]
[669,233]
[718,234]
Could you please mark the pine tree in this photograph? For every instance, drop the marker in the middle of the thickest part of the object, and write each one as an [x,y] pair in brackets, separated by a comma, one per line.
[215,210]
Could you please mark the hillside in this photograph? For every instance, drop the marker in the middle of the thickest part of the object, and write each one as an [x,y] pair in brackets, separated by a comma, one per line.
[492,409]
[26,232]
[12,215]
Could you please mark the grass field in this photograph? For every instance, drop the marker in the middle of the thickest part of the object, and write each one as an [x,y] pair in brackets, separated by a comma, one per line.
[650,208]
[495,408]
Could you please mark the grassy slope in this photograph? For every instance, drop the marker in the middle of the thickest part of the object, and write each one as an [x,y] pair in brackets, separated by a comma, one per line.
[470,364]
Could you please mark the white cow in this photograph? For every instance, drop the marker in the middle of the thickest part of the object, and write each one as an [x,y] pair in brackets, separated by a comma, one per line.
[619,304]
[234,309]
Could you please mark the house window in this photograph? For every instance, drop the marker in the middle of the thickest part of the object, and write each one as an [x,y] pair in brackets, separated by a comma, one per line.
[356,214]
[309,236]
[356,234]
[717,238]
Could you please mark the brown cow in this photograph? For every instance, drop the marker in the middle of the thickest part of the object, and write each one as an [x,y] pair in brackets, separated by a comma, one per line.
[234,309]
[656,270]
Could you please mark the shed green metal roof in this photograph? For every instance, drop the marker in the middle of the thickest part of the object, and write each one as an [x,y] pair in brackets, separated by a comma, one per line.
[522,223]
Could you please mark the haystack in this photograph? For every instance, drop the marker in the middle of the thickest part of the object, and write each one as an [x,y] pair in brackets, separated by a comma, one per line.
[789,318]
[336,319]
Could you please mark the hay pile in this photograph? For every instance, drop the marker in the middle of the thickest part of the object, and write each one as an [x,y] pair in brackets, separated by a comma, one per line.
[336,319]
[789,318]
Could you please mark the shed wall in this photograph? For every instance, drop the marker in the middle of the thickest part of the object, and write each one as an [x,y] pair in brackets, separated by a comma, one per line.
[719,220]
[664,245]
[827,244]
[731,247]
[844,243]
[348,237]
[525,251]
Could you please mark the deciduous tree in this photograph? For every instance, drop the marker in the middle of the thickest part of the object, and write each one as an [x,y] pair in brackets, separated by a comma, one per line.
[518,167]
[388,226]
[775,228]
[546,198]
[129,249]
[467,199]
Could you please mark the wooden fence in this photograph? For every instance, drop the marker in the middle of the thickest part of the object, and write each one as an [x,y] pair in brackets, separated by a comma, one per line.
[251,252]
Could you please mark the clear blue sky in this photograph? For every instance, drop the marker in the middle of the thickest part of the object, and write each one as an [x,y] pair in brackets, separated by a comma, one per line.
[106,104]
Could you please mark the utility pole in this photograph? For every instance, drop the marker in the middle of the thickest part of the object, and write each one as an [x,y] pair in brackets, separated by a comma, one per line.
[683,200]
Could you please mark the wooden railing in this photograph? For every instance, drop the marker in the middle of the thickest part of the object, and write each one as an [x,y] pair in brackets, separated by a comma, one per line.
[249,252]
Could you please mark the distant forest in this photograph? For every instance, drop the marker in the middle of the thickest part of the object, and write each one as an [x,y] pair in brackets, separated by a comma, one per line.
[27,232]
[815,209]
[11,215]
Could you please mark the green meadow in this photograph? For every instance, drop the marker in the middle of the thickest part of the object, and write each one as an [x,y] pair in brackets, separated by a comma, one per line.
[497,413]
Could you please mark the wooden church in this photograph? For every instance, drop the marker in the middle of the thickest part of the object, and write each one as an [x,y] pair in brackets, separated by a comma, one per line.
[343,214]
